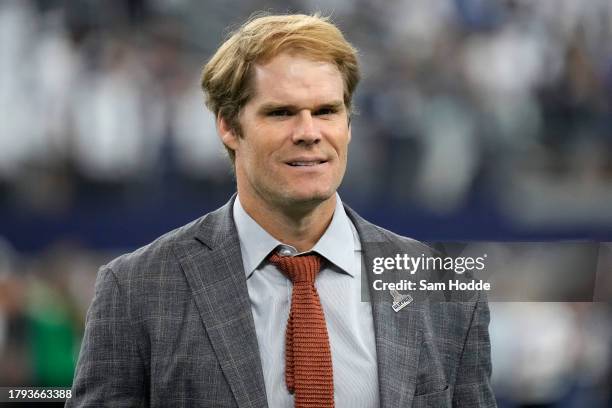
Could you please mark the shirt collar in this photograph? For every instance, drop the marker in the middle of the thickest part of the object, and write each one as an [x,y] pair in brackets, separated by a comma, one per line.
[337,244]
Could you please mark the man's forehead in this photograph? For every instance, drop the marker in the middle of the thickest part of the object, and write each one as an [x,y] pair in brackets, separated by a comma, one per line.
[295,76]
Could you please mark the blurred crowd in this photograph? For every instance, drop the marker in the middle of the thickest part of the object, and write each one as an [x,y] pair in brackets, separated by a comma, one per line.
[43,301]
[476,120]
[555,355]
[460,98]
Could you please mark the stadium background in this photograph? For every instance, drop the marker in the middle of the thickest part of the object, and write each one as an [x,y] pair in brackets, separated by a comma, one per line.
[478,121]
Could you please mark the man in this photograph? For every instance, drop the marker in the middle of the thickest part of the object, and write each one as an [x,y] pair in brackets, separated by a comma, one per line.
[201,316]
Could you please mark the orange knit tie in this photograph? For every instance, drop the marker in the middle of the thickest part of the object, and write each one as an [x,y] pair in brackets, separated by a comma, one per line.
[308,363]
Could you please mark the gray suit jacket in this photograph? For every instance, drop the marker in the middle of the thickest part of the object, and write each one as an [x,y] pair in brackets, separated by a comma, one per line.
[171,326]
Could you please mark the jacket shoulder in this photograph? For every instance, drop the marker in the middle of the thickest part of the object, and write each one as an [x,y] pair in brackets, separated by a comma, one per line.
[407,242]
[152,258]
[372,233]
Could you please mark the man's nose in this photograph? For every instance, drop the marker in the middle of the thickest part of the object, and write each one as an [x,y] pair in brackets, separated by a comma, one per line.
[305,130]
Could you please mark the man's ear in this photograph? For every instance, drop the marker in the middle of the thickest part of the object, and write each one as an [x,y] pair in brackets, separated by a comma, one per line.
[227,134]
[349,132]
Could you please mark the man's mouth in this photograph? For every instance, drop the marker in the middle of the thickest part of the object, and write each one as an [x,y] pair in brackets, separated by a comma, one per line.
[305,163]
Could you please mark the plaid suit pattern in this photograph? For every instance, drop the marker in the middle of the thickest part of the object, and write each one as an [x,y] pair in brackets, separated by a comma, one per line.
[171,325]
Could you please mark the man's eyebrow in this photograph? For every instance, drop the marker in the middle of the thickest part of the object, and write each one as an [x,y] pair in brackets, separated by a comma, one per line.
[271,106]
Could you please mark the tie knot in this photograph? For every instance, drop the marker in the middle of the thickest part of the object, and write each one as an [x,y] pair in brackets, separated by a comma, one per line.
[302,268]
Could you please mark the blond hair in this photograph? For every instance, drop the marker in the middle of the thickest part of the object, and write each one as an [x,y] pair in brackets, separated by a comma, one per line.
[227,77]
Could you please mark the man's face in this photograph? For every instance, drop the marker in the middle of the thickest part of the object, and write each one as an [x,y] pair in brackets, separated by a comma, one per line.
[295,133]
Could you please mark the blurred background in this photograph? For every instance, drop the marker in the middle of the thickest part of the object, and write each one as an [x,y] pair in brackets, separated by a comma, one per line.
[478,121]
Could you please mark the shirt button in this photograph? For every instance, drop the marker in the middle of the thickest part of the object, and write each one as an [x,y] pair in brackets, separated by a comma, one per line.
[285,251]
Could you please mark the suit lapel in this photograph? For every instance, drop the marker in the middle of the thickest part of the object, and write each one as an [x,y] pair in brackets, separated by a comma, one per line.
[398,334]
[212,262]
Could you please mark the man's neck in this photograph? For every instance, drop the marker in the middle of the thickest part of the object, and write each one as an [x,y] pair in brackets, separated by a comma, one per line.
[298,226]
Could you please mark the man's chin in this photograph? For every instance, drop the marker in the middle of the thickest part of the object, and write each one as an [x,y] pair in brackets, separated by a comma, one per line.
[309,200]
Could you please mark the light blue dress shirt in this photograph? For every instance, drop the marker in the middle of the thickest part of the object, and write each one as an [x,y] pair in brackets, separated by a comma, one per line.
[349,320]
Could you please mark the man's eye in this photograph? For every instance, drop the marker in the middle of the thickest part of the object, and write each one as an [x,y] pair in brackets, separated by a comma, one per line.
[326,111]
[279,112]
